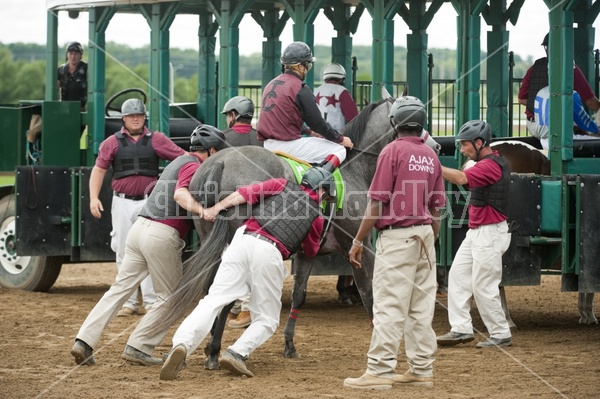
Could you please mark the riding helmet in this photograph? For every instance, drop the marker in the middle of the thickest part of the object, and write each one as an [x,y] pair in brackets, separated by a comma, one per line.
[474,130]
[75,46]
[297,53]
[133,106]
[317,177]
[205,137]
[243,106]
[408,113]
[334,71]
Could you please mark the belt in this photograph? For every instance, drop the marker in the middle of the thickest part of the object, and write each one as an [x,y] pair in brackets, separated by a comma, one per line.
[397,226]
[131,197]
[260,237]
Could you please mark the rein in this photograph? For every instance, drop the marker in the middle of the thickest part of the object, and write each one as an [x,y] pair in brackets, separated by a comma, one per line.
[365,151]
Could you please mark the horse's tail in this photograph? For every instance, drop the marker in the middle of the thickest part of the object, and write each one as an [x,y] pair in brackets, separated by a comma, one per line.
[200,269]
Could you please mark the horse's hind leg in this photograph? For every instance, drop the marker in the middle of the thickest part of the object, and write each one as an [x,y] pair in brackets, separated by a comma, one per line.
[342,288]
[585,306]
[510,321]
[213,347]
[302,269]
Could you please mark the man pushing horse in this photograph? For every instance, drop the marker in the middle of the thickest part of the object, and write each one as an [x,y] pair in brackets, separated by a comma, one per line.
[477,267]
[284,217]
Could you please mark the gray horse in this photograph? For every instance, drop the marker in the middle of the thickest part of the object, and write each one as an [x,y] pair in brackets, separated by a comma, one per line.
[225,171]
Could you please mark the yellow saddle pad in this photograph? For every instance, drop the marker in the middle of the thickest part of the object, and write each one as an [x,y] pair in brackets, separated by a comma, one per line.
[299,167]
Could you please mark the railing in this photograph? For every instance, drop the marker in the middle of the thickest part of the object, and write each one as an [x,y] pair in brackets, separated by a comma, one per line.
[441,109]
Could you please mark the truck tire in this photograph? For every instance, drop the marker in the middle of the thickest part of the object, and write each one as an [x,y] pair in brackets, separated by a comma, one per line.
[30,273]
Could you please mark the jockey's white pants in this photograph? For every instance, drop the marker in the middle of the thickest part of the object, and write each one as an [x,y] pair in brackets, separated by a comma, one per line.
[154,249]
[404,287]
[124,212]
[476,272]
[308,149]
[541,132]
[249,266]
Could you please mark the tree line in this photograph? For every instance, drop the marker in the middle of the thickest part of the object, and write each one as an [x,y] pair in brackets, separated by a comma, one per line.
[22,68]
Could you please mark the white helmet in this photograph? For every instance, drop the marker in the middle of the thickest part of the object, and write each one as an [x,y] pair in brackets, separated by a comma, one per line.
[334,71]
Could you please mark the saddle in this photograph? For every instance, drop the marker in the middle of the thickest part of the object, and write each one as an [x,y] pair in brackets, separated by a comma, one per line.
[299,167]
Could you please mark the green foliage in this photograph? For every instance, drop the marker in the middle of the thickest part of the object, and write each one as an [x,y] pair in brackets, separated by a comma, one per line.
[8,75]
[30,80]
[22,68]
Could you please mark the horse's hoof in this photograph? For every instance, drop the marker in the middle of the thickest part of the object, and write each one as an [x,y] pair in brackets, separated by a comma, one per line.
[211,364]
[344,300]
[588,321]
[291,355]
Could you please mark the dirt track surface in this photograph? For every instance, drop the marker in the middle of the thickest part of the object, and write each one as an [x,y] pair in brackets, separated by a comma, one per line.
[552,357]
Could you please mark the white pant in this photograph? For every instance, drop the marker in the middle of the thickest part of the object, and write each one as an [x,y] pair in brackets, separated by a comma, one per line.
[541,132]
[308,149]
[249,265]
[476,272]
[124,212]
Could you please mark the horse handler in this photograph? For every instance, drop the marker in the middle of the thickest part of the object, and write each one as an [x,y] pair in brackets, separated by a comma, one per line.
[154,246]
[285,216]
[405,198]
[477,267]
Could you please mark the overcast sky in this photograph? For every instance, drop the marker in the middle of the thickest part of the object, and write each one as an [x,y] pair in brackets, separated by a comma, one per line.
[25,21]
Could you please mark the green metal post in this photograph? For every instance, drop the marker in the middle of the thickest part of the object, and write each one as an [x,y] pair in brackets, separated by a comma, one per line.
[207,43]
[583,44]
[309,38]
[229,17]
[416,65]
[51,56]
[468,65]
[272,26]
[418,18]
[416,46]
[99,19]
[341,51]
[376,9]
[226,34]
[388,56]
[341,46]
[159,18]
[560,78]
[497,88]
[473,73]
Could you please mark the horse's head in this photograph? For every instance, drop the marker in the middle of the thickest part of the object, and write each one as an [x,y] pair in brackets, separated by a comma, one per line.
[370,130]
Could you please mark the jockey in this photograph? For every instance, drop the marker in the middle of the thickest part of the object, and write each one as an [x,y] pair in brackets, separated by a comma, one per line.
[333,99]
[287,104]
[583,125]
